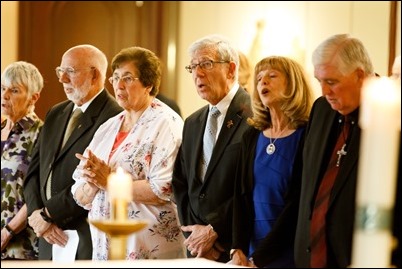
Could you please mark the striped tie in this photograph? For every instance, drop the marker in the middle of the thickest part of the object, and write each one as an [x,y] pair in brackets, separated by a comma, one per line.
[318,241]
[209,139]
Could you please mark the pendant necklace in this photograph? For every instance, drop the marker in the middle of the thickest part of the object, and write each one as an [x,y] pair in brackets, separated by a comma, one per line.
[271,147]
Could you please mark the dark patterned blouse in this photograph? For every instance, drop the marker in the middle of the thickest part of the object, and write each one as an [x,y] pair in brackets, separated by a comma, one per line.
[16,154]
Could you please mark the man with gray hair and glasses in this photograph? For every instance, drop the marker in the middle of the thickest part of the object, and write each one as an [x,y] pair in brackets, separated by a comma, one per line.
[51,207]
[203,177]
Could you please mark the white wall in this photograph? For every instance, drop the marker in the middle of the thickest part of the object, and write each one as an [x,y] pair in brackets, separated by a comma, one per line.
[9,37]
[291,29]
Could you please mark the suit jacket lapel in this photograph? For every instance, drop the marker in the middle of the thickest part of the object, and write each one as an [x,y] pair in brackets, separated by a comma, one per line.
[234,117]
[87,120]
[57,136]
[325,134]
[197,132]
[315,146]
[86,123]
[62,118]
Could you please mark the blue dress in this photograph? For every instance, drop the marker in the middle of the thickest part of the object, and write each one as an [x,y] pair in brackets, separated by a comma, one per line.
[272,175]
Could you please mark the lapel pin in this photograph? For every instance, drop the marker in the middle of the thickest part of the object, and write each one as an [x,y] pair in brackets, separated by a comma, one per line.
[229,124]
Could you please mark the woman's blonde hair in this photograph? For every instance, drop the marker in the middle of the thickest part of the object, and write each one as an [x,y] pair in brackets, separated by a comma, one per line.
[297,99]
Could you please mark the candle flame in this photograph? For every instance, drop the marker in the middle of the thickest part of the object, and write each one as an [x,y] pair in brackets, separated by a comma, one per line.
[380,96]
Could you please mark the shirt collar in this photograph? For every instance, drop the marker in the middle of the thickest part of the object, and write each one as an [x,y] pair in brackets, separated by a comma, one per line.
[86,105]
[223,105]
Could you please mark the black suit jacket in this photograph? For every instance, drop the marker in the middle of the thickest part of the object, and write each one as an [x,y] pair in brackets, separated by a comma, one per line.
[210,202]
[48,156]
[341,211]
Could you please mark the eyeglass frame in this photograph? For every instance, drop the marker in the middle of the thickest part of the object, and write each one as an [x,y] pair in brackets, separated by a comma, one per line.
[116,79]
[70,71]
[203,65]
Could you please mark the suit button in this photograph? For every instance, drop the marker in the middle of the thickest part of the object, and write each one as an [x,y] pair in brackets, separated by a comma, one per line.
[202,195]
[308,250]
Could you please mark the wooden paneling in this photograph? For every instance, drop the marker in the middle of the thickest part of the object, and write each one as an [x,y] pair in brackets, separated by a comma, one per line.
[49,28]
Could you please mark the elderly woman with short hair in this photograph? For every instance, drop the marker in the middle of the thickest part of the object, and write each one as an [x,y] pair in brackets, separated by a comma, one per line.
[21,84]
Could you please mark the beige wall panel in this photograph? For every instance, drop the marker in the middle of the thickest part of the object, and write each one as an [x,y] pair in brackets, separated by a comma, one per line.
[9,33]
[291,29]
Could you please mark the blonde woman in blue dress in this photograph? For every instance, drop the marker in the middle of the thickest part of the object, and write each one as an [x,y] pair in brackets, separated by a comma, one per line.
[281,102]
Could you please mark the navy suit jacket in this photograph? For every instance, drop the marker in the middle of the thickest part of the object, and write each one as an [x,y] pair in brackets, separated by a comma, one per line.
[48,156]
[211,201]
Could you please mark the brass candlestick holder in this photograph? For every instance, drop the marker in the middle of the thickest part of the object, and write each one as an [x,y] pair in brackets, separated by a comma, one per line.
[118,230]
[119,226]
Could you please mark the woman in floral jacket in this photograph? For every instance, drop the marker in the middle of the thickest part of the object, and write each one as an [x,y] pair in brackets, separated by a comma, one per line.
[143,140]
[21,84]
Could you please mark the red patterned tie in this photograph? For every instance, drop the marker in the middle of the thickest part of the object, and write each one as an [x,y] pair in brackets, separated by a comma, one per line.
[317,230]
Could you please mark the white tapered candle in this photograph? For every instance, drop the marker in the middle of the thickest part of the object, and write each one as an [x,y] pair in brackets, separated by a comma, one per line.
[119,187]
[380,119]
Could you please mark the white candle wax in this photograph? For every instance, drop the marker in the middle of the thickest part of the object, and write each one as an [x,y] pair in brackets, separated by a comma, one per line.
[119,187]
[380,117]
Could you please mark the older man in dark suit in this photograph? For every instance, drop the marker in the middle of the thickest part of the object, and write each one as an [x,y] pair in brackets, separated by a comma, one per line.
[203,184]
[51,207]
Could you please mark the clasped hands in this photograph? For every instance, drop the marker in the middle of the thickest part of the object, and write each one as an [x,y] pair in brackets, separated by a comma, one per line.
[93,169]
[240,259]
[49,231]
[202,241]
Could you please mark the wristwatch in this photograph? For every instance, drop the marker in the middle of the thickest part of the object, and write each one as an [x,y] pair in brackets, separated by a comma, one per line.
[45,217]
[12,233]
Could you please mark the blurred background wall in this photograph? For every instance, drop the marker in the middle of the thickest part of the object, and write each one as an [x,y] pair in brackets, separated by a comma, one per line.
[41,31]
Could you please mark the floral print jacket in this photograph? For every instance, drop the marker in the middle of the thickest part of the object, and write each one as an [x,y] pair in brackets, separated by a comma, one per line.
[16,154]
[147,153]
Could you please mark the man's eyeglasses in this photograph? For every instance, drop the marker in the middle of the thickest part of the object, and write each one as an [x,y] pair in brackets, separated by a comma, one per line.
[71,72]
[127,80]
[205,65]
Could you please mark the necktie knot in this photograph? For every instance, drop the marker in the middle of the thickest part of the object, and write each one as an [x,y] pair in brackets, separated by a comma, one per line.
[214,112]
[76,112]
[72,124]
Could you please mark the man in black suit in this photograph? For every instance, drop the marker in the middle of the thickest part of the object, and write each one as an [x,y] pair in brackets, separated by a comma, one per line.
[341,65]
[204,203]
[51,207]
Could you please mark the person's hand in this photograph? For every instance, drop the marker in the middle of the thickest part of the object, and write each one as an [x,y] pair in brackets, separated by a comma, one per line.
[213,254]
[201,239]
[251,263]
[93,169]
[38,224]
[5,238]
[239,258]
[55,235]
